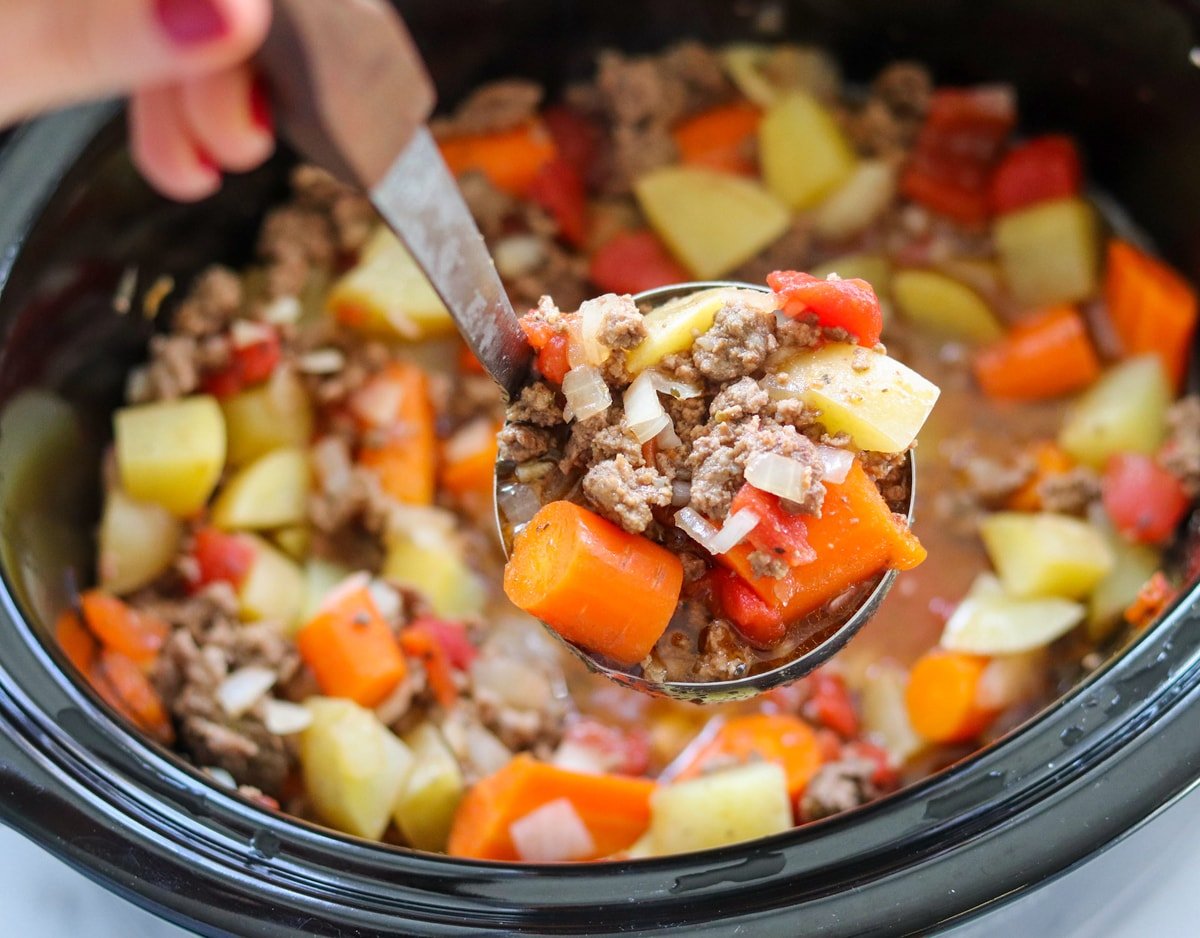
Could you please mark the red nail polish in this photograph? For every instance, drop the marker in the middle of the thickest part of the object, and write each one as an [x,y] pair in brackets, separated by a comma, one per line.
[191,22]
[205,159]
[260,106]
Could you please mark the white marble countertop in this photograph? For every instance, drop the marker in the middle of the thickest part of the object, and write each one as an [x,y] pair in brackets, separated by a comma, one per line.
[43,898]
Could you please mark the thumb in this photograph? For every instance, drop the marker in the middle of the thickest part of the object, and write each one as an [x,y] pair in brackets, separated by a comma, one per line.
[55,52]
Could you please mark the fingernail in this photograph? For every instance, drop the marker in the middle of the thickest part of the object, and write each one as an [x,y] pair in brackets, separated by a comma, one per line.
[260,107]
[205,160]
[191,22]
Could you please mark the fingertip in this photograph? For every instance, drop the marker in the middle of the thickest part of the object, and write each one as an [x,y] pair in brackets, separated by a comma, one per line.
[229,118]
[163,150]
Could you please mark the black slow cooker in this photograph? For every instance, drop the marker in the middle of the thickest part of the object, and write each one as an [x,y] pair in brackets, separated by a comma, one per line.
[983,843]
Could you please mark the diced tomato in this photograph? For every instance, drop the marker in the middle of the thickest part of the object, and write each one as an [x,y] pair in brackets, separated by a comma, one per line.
[1151,600]
[452,637]
[830,744]
[943,187]
[576,138]
[761,624]
[625,751]
[221,557]
[558,188]
[633,261]
[847,304]
[886,777]
[248,365]
[829,703]
[468,363]
[419,643]
[551,345]
[1036,171]
[778,533]
[1144,501]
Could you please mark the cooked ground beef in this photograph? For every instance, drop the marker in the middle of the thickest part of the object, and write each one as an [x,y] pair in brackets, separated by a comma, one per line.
[520,442]
[839,786]
[621,323]
[988,480]
[737,401]
[738,343]
[722,654]
[1180,455]
[538,404]
[498,105]
[625,493]
[214,300]
[765,564]
[1069,492]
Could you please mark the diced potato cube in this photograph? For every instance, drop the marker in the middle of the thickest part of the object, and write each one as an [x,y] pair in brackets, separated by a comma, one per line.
[275,414]
[1046,554]
[432,792]
[943,305]
[884,713]
[1050,252]
[438,571]
[320,577]
[857,202]
[171,452]
[1134,565]
[878,401]
[386,292]
[138,542]
[271,492]
[711,221]
[803,153]
[354,767]
[273,588]
[675,325]
[764,73]
[725,807]
[1124,412]
[293,540]
[988,622]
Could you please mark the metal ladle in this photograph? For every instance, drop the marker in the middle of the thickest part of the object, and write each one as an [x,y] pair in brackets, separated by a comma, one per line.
[351,93]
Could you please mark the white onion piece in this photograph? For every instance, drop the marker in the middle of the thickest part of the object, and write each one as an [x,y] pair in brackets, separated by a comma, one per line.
[387,599]
[681,493]
[586,393]
[835,463]
[283,718]
[485,752]
[512,681]
[378,402]
[576,757]
[644,412]
[283,310]
[697,527]
[551,834]
[591,321]
[322,361]
[242,689]
[575,353]
[667,438]
[734,530]
[780,476]
[518,255]
[474,438]
[244,333]
[665,384]
[518,503]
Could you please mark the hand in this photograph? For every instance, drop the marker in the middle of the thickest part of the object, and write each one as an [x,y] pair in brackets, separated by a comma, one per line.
[196,107]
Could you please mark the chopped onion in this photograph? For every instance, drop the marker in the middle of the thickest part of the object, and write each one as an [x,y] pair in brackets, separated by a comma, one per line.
[780,476]
[644,413]
[387,599]
[283,718]
[377,402]
[475,437]
[485,752]
[283,310]
[577,757]
[244,333]
[518,255]
[331,460]
[667,437]
[512,681]
[734,530]
[322,361]
[552,833]
[665,384]
[242,689]
[575,354]
[586,393]
[835,463]
[681,492]
[1011,679]
[518,503]
[591,321]
[221,776]
[697,527]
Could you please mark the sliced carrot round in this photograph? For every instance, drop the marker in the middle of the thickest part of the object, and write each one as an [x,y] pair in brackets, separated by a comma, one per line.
[941,694]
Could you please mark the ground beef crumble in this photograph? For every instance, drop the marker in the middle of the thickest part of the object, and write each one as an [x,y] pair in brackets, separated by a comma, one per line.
[1180,455]
[738,343]
[839,786]
[624,493]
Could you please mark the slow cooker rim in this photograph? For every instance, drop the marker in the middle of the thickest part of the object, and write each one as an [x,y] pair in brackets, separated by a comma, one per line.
[152,793]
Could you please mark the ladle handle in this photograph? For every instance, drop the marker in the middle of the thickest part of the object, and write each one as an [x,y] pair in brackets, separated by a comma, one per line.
[347,84]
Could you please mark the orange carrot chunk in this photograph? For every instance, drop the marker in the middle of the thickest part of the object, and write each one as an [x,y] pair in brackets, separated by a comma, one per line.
[75,640]
[351,649]
[510,159]
[614,808]
[941,696]
[120,682]
[402,447]
[1047,355]
[469,475]
[133,632]
[720,138]
[773,737]
[598,586]
[1152,308]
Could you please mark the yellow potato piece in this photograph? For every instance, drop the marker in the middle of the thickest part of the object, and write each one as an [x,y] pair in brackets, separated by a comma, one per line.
[171,453]
[1124,412]
[1046,554]
[943,305]
[274,414]
[387,293]
[711,221]
[138,542]
[857,202]
[320,577]
[1133,565]
[880,403]
[1049,253]
[438,571]
[432,792]
[675,325]
[294,540]
[271,492]
[989,622]
[725,807]
[803,153]
[354,767]
[273,589]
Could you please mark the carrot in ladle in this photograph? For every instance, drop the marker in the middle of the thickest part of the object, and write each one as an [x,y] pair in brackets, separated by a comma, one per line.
[608,591]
